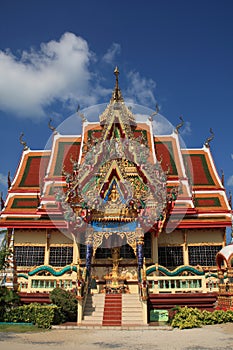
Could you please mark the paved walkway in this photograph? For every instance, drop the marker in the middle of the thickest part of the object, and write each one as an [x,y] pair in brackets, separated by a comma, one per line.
[218,337]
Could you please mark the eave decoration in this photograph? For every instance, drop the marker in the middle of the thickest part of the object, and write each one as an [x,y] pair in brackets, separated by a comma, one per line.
[117,190]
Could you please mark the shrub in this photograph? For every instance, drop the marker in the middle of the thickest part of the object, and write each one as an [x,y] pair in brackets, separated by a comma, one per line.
[186,318]
[189,317]
[8,299]
[43,316]
[66,300]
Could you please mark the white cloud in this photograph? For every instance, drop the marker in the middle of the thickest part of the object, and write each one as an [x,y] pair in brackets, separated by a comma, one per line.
[61,71]
[3,180]
[111,53]
[58,71]
[186,129]
[140,89]
[230,181]
[232,156]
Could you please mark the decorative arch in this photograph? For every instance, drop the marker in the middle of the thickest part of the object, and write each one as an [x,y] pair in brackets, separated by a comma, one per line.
[175,272]
[50,269]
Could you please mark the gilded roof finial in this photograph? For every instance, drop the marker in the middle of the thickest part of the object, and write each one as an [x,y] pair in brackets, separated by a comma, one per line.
[52,127]
[25,147]
[151,117]
[81,115]
[222,177]
[230,199]
[2,203]
[117,92]
[179,125]
[210,138]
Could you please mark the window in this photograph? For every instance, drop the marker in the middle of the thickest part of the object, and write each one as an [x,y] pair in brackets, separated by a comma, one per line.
[127,252]
[103,253]
[203,255]
[171,257]
[61,256]
[29,255]
[147,245]
[83,249]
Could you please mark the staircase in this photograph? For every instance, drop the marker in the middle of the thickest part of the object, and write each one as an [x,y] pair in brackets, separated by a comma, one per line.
[113,310]
[94,308]
[131,310]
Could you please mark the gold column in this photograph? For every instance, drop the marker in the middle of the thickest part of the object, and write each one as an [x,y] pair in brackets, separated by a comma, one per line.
[76,251]
[185,248]
[47,246]
[155,250]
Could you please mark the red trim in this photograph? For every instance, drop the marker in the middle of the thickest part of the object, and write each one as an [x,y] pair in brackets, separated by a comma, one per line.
[215,224]
[27,191]
[56,178]
[209,188]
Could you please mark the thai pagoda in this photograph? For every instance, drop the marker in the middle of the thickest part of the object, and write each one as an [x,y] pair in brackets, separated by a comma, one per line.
[117,205]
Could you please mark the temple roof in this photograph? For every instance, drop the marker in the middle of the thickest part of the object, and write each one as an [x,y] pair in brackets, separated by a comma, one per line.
[191,172]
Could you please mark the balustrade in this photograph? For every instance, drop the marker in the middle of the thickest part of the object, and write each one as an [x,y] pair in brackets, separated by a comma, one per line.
[179,284]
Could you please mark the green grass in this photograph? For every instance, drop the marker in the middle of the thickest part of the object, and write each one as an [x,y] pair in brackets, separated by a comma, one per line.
[16,328]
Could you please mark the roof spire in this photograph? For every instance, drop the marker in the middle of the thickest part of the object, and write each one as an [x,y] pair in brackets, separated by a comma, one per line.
[116,96]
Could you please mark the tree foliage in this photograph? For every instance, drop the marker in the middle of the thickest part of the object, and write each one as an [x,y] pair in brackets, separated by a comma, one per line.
[4,252]
[66,300]
[8,300]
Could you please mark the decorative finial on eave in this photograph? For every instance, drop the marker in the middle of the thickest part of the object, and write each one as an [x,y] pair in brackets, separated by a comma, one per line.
[2,203]
[210,138]
[179,125]
[81,115]
[52,127]
[117,92]
[9,180]
[222,177]
[151,117]
[230,199]
[25,146]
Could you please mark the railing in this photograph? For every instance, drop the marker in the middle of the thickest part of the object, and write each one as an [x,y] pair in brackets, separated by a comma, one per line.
[179,284]
[46,284]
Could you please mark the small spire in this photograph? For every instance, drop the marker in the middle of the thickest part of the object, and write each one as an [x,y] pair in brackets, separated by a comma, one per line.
[179,125]
[116,96]
[25,146]
[151,117]
[116,72]
[222,177]
[51,127]
[2,203]
[9,180]
[210,138]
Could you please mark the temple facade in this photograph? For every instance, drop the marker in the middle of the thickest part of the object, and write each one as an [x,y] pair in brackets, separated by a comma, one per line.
[118,203]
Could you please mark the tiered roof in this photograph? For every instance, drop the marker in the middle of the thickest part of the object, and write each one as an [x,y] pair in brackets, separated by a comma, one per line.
[31,201]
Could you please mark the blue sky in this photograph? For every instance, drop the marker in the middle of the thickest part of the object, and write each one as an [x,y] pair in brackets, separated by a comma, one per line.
[55,55]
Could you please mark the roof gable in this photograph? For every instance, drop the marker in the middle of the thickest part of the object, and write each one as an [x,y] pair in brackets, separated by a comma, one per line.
[31,170]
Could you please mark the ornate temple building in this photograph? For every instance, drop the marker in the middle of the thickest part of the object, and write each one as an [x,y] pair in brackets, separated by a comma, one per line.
[118,203]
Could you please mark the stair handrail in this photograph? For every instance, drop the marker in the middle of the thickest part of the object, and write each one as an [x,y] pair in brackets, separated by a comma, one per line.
[143,286]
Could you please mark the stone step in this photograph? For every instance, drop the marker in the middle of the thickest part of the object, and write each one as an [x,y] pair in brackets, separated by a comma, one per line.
[113,310]
[129,317]
[93,318]
[135,315]
[97,313]
[94,308]
[92,322]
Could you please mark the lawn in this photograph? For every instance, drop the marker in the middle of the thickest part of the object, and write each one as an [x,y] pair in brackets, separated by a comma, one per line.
[19,328]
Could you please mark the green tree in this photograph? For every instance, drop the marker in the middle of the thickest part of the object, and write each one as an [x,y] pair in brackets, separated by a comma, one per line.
[66,300]
[8,300]
[4,251]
